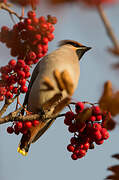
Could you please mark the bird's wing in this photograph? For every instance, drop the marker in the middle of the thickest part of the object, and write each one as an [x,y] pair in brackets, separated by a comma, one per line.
[48,124]
[33,77]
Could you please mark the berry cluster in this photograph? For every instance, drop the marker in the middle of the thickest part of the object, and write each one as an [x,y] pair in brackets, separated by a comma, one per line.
[21,127]
[13,78]
[29,38]
[87,126]
[25,2]
[28,41]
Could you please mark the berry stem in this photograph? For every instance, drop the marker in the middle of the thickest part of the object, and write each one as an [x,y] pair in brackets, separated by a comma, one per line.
[10,11]
[108,27]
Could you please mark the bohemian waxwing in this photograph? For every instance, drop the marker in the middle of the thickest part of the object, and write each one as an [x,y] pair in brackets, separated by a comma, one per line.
[52,84]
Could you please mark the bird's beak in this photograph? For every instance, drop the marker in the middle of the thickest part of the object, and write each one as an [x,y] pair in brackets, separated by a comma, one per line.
[87,48]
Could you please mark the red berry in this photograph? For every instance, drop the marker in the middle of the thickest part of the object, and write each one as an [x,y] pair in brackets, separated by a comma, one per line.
[15,90]
[35,61]
[74,157]
[1,98]
[44,27]
[35,122]
[79,107]
[27,74]
[92,118]
[96,126]
[45,40]
[38,37]
[12,63]
[40,55]
[31,14]
[9,95]
[67,121]
[32,55]
[69,115]
[82,153]
[23,89]
[21,74]
[2,91]
[26,68]
[70,148]
[10,130]
[73,140]
[42,19]
[105,133]
[86,146]
[19,125]
[50,36]
[28,124]
[24,130]
[99,142]
[22,81]
[96,110]
[27,21]
[20,63]
[97,135]
[72,128]
[98,117]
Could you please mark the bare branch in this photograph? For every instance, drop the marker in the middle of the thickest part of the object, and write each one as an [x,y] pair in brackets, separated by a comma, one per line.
[108,27]
[10,11]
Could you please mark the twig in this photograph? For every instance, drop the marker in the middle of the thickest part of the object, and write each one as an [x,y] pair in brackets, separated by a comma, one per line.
[5,7]
[108,27]
[7,103]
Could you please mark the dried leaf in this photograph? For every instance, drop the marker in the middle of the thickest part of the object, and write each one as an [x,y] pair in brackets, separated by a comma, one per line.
[114,169]
[84,115]
[109,100]
[115,156]
[114,51]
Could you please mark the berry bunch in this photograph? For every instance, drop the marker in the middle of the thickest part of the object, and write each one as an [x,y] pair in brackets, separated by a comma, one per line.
[28,41]
[13,78]
[25,2]
[29,38]
[21,127]
[87,124]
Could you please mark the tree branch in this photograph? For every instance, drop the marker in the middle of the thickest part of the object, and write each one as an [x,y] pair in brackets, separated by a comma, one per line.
[13,116]
[108,27]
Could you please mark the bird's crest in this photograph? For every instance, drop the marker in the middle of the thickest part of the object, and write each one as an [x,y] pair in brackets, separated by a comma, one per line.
[71,42]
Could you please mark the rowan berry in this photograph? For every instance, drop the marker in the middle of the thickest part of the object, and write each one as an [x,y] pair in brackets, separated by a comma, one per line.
[70,148]
[79,107]
[10,130]
[35,122]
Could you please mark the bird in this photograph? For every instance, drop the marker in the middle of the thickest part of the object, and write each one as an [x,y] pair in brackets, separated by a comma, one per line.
[52,84]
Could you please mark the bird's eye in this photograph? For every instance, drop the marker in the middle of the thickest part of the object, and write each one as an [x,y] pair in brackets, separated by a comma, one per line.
[74,44]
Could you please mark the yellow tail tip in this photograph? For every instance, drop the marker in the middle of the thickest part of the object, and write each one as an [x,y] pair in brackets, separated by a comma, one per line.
[22,151]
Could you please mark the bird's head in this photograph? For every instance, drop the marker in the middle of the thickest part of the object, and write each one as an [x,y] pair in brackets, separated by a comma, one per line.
[76,46]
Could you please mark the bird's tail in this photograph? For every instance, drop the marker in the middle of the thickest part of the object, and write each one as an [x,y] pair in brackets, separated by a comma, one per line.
[24,150]
[23,146]
[32,135]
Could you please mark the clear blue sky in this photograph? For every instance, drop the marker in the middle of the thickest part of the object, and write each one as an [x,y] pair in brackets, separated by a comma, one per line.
[48,157]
